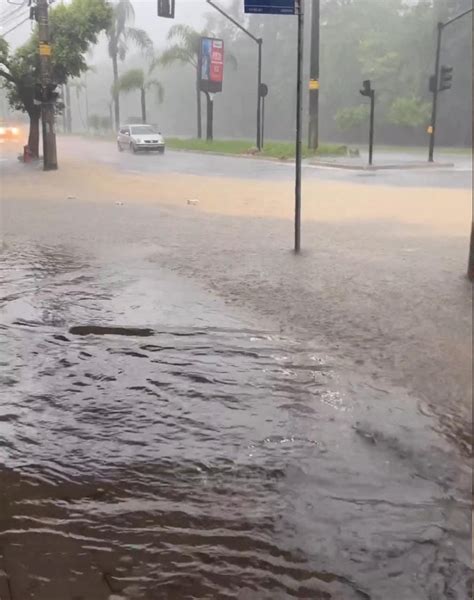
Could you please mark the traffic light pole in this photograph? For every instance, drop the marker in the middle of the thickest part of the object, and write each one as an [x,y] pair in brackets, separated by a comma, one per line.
[313,134]
[434,109]
[50,162]
[372,127]
[259,42]
[441,27]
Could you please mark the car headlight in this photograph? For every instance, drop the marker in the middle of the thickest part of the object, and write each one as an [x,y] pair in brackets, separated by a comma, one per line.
[2,130]
[137,140]
[15,130]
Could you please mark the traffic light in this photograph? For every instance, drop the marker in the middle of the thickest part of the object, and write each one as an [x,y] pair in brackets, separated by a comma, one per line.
[166,8]
[367,90]
[446,78]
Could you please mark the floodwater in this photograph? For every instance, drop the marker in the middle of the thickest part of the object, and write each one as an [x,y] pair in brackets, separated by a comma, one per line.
[210,458]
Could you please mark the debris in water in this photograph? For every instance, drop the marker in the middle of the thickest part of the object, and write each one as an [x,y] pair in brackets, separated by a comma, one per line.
[193,201]
[110,330]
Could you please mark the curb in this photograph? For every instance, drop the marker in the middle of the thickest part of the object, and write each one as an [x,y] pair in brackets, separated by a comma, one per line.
[387,167]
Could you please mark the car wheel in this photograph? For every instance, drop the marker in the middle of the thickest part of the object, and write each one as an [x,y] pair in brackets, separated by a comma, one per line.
[161,151]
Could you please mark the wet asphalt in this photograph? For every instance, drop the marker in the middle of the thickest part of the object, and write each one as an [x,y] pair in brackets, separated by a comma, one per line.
[239,449]
[459,175]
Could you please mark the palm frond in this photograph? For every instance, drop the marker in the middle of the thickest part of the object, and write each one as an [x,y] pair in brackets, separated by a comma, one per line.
[140,38]
[187,37]
[179,54]
[133,79]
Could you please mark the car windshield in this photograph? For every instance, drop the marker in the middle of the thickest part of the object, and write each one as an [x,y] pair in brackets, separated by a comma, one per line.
[142,129]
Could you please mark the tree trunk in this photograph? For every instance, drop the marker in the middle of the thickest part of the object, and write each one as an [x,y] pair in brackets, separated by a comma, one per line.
[64,110]
[143,102]
[198,105]
[34,134]
[116,92]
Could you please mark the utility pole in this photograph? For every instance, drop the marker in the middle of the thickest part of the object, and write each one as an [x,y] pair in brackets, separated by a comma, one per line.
[313,134]
[47,106]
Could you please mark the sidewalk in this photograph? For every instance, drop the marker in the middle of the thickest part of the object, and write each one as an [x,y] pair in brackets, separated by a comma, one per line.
[396,160]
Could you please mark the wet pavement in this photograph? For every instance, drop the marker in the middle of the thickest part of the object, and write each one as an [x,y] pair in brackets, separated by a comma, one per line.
[222,455]
[188,163]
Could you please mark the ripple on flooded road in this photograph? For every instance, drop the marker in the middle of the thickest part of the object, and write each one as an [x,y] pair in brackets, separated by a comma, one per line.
[207,462]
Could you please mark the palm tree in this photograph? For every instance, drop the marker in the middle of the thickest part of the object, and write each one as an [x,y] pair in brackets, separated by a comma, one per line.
[186,51]
[119,34]
[137,79]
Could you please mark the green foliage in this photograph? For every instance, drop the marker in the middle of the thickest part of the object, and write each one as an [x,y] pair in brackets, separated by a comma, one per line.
[279,150]
[409,112]
[74,28]
[352,117]
[120,32]
[133,79]
[100,124]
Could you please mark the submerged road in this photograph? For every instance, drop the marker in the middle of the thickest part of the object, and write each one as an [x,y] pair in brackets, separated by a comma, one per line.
[189,163]
[219,452]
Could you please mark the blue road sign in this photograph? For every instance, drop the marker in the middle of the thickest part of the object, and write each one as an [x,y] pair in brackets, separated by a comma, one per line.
[271,7]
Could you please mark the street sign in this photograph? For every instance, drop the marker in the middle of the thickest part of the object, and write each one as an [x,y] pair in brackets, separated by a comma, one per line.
[45,49]
[211,65]
[271,7]
[263,90]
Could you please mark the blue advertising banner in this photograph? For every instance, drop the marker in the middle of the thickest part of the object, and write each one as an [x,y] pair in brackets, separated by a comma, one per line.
[271,7]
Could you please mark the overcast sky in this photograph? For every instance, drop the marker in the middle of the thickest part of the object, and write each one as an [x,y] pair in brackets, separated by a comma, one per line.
[187,11]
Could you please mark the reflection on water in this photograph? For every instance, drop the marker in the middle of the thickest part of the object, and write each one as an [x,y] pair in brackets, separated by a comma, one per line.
[203,461]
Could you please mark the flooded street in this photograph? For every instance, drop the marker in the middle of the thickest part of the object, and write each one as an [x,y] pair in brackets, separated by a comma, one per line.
[213,454]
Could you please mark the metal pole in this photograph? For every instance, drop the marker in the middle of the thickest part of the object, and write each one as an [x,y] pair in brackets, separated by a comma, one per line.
[259,41]
[262,139]
[47,107]
[372,126]
[313,134]
[210,117]
[470,268]
[299,115]
[259,99]
[435,95]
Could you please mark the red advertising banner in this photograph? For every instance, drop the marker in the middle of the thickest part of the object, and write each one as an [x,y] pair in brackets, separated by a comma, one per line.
[211,65]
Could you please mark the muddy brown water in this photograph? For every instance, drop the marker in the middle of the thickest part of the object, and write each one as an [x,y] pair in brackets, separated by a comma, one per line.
[212,459]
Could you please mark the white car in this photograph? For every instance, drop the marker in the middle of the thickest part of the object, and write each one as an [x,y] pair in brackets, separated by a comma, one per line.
[138,138]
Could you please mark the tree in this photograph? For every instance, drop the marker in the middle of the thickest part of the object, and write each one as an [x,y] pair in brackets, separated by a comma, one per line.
[137,79]
[74,27]
[119,34]
[186,51]
[352,117]
[409,112]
